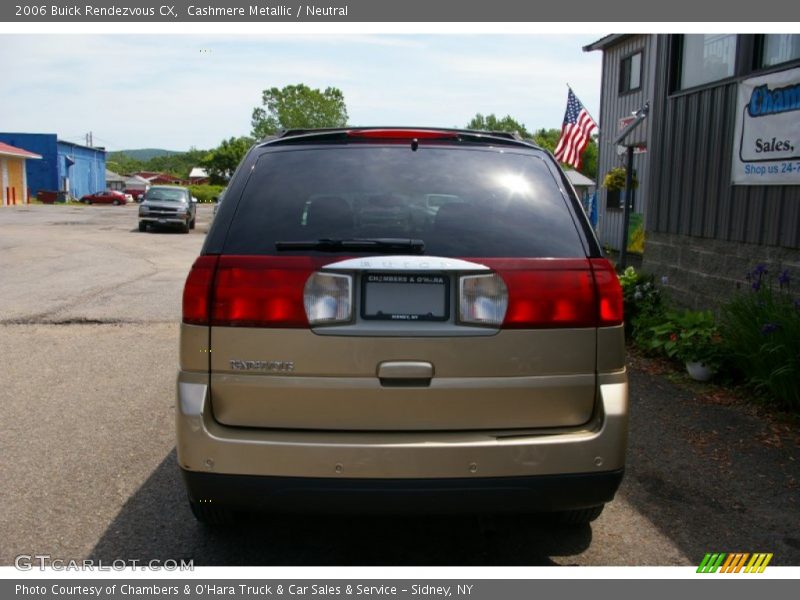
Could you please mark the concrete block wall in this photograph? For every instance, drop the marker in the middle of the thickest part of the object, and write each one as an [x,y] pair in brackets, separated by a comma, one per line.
[701,273]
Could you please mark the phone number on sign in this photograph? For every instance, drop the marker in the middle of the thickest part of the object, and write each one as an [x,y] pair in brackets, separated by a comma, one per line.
[785,167]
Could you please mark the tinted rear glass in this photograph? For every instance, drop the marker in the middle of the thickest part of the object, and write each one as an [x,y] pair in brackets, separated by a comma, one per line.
[460,202]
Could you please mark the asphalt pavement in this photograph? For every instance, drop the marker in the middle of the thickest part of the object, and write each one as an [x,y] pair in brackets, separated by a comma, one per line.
[89,312]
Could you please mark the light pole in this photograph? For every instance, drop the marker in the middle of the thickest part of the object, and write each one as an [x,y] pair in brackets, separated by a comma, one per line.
[640,115]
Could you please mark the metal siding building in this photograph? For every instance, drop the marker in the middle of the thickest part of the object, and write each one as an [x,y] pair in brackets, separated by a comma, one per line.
[615,105]
[703,232]
[692,193]
[42,174]
[81,170]
[64,166]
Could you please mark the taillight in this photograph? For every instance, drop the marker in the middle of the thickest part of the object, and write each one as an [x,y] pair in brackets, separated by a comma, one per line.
[483,299]
[261,291]
[197,291]
[547,293]
[328,298]
[609,293]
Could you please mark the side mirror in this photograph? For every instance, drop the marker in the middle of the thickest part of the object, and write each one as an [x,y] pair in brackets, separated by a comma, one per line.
[194,200]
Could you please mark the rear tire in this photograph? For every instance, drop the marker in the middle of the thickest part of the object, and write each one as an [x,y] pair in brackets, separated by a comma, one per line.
[116,202]
[142,226]
[211,515]
[580,516]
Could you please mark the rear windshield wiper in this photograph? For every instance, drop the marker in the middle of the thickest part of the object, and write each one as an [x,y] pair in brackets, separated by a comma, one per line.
[357,244]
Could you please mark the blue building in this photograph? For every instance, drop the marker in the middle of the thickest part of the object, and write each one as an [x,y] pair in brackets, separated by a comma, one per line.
[64,166]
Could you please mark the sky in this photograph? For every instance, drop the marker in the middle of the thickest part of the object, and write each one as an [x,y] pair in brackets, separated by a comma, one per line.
[182,91]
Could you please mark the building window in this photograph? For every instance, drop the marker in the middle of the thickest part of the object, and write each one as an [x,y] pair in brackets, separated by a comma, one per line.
[706,58]
[779,48]
[630,73]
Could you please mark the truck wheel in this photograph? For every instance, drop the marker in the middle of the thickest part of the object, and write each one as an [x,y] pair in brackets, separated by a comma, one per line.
[142,226]
[191,223]
[185,227]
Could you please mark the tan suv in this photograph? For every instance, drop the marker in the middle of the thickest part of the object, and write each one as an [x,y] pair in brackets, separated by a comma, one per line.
[401,320]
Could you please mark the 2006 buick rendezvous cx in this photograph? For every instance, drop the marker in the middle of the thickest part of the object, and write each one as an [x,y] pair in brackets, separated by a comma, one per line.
[395,319]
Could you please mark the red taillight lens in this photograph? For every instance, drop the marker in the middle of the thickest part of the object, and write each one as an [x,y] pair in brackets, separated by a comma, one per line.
[197,291]
[547,293]
[554,292]
[261,291]
[609,292]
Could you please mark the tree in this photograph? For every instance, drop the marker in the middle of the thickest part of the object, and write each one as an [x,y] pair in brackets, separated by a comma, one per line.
[221,162]
[548,139]
[298,106]
[178,164]
[492,123]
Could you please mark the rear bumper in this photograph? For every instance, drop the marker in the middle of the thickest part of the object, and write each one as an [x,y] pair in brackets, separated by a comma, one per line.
[393,496]
[218,453]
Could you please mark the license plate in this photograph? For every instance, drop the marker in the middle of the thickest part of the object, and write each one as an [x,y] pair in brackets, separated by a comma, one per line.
[405,297]
[162,221]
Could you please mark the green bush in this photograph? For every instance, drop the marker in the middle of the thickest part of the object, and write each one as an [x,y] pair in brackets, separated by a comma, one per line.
[761,327]
[689,336]
[643,304]
[206,193]
[617,177]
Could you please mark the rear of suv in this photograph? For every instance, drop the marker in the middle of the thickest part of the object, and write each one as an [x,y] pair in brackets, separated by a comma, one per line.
[392,320]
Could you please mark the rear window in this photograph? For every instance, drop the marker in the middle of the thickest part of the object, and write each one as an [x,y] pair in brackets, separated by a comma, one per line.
[459,201]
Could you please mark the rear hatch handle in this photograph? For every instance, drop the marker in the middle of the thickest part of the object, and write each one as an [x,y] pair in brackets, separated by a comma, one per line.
[405,373]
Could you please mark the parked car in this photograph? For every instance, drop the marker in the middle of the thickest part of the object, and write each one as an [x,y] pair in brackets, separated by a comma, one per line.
[168,206]
[468,357]
[106,197]
[136,194]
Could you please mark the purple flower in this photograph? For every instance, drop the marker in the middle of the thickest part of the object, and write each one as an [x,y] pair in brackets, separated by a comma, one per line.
[784,278]
[761,269]
[756,285]
[768,328]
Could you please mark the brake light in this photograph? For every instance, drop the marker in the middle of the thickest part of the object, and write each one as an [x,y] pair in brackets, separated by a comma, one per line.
[197,291]
[403,134]
[609,293]
[547,293]
[261,291]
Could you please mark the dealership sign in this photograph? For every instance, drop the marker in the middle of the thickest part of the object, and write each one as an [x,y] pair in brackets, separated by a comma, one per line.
[767,146]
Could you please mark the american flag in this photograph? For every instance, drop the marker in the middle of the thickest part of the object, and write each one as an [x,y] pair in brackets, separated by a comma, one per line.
[578,127]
